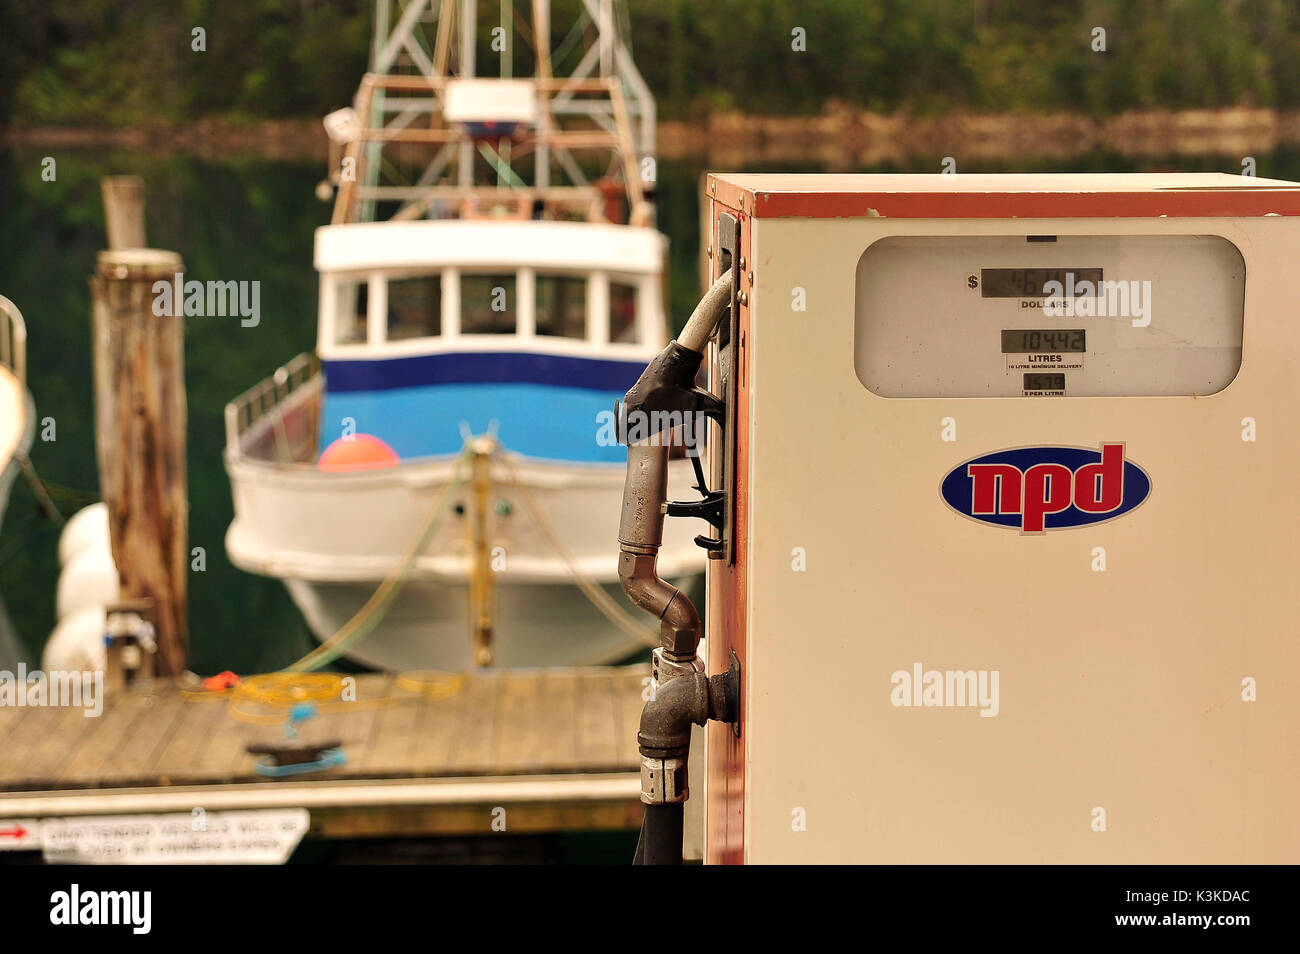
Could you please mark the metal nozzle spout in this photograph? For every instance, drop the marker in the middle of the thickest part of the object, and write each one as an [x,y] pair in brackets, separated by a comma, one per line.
[645,490]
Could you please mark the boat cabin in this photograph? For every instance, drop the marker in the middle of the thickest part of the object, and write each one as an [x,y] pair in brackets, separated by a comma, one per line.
[531,328]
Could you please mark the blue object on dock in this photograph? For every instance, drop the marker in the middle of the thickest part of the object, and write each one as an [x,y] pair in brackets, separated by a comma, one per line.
[329,758]
[294,757]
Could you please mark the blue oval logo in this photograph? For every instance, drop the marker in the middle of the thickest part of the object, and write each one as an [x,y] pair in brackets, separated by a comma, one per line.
[1036,489]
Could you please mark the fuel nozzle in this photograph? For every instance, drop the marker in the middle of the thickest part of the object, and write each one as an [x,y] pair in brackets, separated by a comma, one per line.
[666,392]
[664,400]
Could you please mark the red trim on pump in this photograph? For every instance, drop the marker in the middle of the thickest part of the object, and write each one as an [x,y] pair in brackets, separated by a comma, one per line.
[1182,195]
[728,599]
[1028,205]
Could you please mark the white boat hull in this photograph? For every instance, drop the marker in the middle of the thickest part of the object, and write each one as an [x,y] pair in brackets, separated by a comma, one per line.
[17,431]
[427,627]
[333,538]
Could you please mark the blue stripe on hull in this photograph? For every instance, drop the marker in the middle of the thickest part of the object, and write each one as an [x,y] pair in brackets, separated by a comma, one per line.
[536,420]
[546,406]
[500,367]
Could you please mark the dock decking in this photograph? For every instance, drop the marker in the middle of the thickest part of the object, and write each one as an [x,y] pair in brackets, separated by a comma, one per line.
[555,747]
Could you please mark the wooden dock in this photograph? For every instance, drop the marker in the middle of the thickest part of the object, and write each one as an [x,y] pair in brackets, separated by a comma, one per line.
[556,748]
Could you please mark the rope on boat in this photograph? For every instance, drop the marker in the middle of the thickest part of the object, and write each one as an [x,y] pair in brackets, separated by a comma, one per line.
[298,683]
[279,692]
[611,610]
[363,623]
[39,488]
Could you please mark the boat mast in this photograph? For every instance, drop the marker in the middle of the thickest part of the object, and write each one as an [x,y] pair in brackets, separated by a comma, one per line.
[468,19]
[589,99]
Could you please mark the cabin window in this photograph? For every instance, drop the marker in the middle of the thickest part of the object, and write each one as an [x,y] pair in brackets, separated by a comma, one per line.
[414,307]
[562,306]
[622,313]
[352,298]
[488,304]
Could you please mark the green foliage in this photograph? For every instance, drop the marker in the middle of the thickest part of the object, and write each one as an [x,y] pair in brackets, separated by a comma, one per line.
[124,62]
[927,56]
[121,62]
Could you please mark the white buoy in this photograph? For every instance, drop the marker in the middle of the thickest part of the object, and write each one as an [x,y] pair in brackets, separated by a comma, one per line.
[86,530]
[77,643]
[89,580]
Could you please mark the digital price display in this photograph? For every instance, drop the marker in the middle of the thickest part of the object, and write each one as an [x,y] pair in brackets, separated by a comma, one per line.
[1044,382]
[1029,282]
[1043,341]
[923,328]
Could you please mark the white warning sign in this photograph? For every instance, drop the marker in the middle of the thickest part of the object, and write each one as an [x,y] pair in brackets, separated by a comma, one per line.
[197,838]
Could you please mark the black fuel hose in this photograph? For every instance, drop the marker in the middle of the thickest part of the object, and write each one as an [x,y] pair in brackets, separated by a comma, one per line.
[661,835]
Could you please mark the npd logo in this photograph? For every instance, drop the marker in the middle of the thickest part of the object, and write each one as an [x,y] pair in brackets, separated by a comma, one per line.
[1036,489]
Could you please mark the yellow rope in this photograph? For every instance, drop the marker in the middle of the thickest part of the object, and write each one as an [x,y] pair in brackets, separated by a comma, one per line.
[374,609]
[39,488]
[279,692]
[432,684]
[611,610]
[296,684]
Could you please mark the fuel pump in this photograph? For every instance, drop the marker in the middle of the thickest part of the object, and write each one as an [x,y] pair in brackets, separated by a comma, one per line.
[1001,481]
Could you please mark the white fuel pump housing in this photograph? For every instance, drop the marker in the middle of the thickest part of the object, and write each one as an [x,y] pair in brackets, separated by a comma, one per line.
[1012,568]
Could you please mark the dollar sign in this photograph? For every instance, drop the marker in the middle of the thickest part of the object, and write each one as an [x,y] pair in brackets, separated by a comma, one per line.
[972,282]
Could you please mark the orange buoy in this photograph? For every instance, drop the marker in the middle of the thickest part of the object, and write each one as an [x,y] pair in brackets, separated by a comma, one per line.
[357,452]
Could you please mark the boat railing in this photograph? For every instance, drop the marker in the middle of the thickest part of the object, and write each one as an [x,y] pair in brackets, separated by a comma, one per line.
[13,340]
[275,419]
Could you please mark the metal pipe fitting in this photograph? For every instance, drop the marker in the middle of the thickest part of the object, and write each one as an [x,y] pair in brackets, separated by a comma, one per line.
[666,666]
[664,739]
[641,582]
[666,720]
[664,736]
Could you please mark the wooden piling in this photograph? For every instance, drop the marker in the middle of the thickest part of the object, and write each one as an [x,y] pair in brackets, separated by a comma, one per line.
[124,210]
[140,417]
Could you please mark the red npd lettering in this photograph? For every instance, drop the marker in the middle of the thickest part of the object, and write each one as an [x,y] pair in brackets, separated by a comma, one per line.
[984,491]
[1048,489]
[1099,488]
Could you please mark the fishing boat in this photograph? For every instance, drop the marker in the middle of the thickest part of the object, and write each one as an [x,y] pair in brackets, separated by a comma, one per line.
[437,485]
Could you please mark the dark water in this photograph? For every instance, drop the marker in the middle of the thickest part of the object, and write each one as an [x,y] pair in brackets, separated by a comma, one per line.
[243,219]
